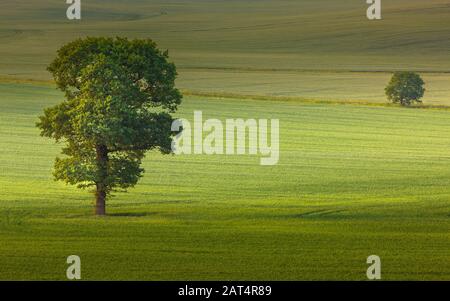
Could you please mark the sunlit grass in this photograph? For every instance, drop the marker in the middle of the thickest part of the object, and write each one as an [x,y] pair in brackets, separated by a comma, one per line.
[352,181]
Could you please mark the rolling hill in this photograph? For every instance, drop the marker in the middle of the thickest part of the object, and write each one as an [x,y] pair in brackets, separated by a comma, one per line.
[225,40]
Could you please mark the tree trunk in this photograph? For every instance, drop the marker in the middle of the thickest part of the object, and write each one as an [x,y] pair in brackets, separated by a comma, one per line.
[100,201]
[102,166]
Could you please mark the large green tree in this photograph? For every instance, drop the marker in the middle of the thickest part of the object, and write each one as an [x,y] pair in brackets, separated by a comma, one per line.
[119,94]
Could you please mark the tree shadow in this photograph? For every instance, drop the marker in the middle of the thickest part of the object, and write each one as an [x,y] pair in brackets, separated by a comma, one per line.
[132,214]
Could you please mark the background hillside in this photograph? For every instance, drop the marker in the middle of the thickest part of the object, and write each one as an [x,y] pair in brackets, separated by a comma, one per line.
[262,47]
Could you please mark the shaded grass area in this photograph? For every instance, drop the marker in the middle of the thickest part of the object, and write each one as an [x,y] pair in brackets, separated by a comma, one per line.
[352,181]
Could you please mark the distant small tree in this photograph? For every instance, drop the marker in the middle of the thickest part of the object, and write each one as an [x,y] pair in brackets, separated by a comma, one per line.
[405,88]
[119,94]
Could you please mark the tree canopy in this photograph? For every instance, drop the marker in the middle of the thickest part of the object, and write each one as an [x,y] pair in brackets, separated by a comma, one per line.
[119,94]
[405,88]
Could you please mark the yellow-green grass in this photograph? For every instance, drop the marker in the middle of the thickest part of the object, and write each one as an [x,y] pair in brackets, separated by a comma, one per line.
[352,181]
[310,86]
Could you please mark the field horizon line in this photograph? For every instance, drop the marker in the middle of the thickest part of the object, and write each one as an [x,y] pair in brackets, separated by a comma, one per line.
[310,70]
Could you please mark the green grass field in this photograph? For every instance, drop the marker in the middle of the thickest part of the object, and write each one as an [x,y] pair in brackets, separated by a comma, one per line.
[356,177]
[352,181]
